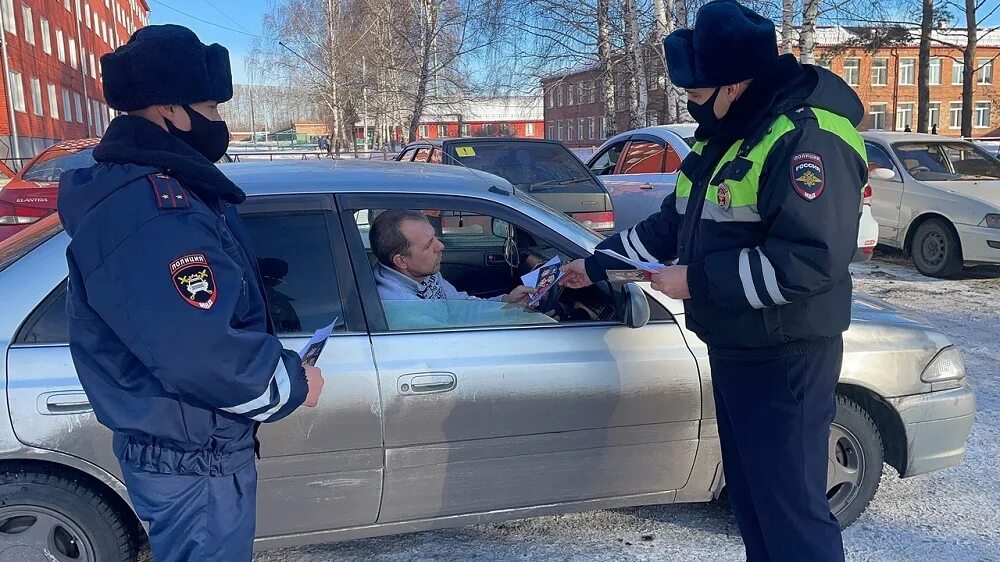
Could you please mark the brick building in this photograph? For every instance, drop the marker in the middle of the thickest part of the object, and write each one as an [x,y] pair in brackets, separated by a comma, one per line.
[885,80]
[52,74]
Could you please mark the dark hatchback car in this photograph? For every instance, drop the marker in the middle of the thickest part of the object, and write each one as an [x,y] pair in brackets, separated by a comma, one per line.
[545,169]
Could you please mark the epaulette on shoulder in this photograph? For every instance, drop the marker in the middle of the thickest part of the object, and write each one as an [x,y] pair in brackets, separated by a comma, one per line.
[168,192]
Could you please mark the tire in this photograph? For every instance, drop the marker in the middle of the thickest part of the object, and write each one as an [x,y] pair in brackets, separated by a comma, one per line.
[76,523]
[936,249]
[855,447]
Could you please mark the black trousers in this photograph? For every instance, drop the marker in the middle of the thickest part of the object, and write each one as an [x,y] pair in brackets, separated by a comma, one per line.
[774,426]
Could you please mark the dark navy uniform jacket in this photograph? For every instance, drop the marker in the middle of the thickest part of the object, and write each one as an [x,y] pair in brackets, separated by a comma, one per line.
[169,327]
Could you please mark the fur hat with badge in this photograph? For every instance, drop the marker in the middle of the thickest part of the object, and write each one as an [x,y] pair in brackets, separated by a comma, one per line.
[166,65]
[730,43]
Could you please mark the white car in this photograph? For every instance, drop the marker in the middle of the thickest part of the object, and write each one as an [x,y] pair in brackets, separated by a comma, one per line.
[937,199]
[639,181]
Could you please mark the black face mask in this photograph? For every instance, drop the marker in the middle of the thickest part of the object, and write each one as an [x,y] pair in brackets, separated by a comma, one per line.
[704,114]
[210,138]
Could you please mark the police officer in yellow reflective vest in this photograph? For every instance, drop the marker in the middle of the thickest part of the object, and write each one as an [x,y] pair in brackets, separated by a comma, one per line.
[759,235]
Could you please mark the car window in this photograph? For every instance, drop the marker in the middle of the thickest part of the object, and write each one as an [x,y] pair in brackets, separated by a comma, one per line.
[877,157]
[296,262]
[20,244]
[535,167]
[422,155]
[607,160]
[941,161]
[408,155]
[435,157]
[643,157]
[52,164]
[49,323]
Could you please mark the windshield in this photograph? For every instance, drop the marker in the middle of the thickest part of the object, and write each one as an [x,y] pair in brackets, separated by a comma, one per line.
[53,163]
[943,161]
[20,244]
[532,166]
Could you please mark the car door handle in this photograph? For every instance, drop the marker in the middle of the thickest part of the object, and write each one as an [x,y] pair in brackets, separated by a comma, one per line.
[646,185]
[64,403]
[495,259]
[427,383]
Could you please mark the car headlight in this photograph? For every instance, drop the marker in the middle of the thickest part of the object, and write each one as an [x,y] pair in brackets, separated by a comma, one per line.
[947,366]
[992,221]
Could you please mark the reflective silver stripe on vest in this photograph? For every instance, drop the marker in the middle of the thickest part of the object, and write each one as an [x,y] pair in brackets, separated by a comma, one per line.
[713,212]
[746,277]
[771,279]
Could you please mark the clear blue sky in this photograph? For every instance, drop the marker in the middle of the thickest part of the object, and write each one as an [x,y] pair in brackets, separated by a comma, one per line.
[244,17]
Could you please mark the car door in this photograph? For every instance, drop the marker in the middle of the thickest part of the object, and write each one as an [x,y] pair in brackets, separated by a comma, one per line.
[522,411]
[321,468]
[887,195]
[643,176]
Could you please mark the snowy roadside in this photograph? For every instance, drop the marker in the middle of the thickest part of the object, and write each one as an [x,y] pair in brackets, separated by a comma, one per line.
[949,515]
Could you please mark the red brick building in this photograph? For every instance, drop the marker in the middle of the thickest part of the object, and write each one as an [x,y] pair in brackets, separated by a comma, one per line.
[885,80]
[51,68]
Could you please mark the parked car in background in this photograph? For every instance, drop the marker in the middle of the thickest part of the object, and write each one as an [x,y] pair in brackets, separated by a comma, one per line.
[640,169]
[445,413]
[544,168]
[31,193]
[936,198]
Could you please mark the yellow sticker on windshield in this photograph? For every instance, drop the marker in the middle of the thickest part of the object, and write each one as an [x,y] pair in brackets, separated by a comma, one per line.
[465,151]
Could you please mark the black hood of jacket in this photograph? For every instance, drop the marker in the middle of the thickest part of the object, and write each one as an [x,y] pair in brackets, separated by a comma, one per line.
[789,85]
[132,148]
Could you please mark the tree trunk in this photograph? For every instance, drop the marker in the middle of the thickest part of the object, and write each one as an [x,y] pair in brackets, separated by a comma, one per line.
[607,66]
[664,27]
[969,76]
[924,61]
[428,25]
[787,19]
[807,39]
[331,23]
[639,100]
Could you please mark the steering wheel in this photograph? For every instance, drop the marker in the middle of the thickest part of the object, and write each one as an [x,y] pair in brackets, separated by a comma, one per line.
[920,169]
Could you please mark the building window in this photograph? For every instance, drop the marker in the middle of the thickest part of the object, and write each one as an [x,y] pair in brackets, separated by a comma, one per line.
[603,129]
[66,4]
[60,46]
[83,58]
[86,12]
[93,67]
[878,116]
[529,129]
[956,115]
[53,102]
[552,98]
[9,23]
[552,131]
[466,130]
[79,108]
[907,72]
[570,90]
[17,90]
[29,24]
[67,108]
[104,31]
[880,72]
[46,36]
[982,115]
[852,71]
[904,116]
[593,91]
[569,129]
[442,131]
[72,53]
[933,115]
[559,128]
[985,72]
[36,97]
[581,123]
[559,96]
[423,132]
[935,73]
[97,24]
[590,126]
[957,72]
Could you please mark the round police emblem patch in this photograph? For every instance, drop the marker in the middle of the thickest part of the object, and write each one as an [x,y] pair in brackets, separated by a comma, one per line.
[194,280]
[808,176]
[725,197]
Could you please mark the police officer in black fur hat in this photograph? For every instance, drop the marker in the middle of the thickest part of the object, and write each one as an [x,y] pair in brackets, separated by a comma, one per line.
[169,329]
[759,233]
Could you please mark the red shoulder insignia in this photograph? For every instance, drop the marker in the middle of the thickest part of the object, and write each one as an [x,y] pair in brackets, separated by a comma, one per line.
[168,191]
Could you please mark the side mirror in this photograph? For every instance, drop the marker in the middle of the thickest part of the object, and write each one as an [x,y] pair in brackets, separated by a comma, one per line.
[636,307]
[883,174]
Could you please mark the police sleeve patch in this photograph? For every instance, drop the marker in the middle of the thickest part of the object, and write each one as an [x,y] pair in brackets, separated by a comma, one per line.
[808,175]
[194,280]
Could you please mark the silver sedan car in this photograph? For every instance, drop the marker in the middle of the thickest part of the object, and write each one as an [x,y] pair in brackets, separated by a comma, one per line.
[444,413]
[936,198]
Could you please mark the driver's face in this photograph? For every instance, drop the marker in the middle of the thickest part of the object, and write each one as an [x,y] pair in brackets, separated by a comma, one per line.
[423,257]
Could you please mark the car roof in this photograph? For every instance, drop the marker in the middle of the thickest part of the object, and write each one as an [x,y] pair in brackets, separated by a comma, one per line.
[362,176]
[441,141]
[75,144]
[893,137]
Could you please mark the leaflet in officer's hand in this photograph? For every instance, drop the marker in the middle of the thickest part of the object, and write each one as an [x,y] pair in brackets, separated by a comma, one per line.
[651,267]
[542,279]
[310,353]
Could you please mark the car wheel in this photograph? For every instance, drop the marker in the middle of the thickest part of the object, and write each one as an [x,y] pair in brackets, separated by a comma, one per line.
[937,250]
[855,462]
[53,518]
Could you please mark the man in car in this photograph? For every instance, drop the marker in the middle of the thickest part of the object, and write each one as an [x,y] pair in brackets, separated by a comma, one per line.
[762,225]
[409,261]
[169,330]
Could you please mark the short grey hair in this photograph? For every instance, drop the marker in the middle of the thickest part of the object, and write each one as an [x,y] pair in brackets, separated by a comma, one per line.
[385,235]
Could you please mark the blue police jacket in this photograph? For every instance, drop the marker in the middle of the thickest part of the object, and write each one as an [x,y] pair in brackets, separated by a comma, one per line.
[169,327]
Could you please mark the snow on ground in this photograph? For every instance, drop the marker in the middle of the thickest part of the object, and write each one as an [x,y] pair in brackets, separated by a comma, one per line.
[952,515]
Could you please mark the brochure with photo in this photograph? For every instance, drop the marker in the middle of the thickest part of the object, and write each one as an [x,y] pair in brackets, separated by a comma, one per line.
[310,353]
